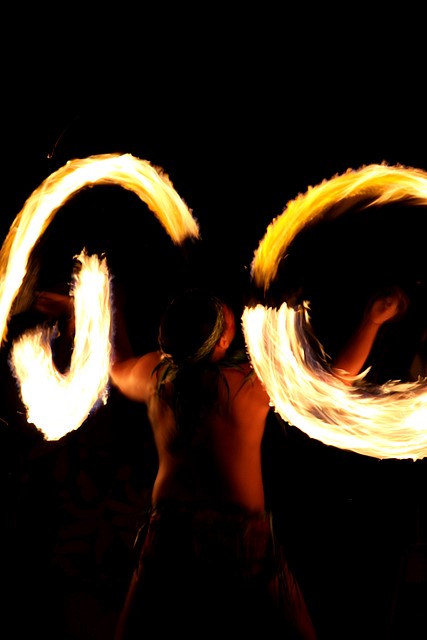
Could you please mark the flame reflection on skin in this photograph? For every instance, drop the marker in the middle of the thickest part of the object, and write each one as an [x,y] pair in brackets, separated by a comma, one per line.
[59,412]
[389,421]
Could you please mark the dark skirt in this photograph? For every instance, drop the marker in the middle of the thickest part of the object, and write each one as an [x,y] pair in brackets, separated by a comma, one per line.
[204,571]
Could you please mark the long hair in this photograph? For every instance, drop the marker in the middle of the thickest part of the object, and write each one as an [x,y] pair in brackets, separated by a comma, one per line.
[189,330]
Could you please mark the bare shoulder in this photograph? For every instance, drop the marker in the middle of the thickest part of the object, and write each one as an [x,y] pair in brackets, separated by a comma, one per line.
[134,376]
[243,381]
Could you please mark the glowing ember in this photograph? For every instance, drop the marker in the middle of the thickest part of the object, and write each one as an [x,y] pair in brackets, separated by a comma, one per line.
[59,403]
[67,400]
[389,421]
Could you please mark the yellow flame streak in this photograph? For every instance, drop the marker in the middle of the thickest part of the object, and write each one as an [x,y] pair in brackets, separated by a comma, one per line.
[58,403]
[380,182]
[151,184]
[388,423]
[391,420]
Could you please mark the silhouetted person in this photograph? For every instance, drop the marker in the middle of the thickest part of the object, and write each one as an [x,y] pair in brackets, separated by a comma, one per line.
[209,561]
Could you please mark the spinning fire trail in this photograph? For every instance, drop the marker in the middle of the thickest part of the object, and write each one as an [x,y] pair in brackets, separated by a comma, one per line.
[58,403]
[390,423]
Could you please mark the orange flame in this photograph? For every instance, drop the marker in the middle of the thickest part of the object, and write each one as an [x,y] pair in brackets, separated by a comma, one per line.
[149,183]
[388,422]
[57,404]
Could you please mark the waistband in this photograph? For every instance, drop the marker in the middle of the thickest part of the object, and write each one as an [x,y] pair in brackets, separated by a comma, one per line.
[171,507]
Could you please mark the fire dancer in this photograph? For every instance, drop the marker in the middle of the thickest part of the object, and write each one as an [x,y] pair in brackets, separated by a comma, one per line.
[209,558]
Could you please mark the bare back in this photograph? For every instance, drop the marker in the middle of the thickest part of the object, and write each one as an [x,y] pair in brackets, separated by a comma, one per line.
[221,463]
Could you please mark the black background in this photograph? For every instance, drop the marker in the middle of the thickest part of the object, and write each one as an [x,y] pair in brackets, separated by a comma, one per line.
[243,114]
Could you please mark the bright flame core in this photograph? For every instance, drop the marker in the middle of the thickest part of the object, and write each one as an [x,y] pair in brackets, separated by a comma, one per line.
[58,403]
[61,402]
[387,422]
[149,183]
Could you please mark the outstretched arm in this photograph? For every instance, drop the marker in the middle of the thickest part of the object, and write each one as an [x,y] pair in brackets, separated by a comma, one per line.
[130,373]
[56,307]
[381,309]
